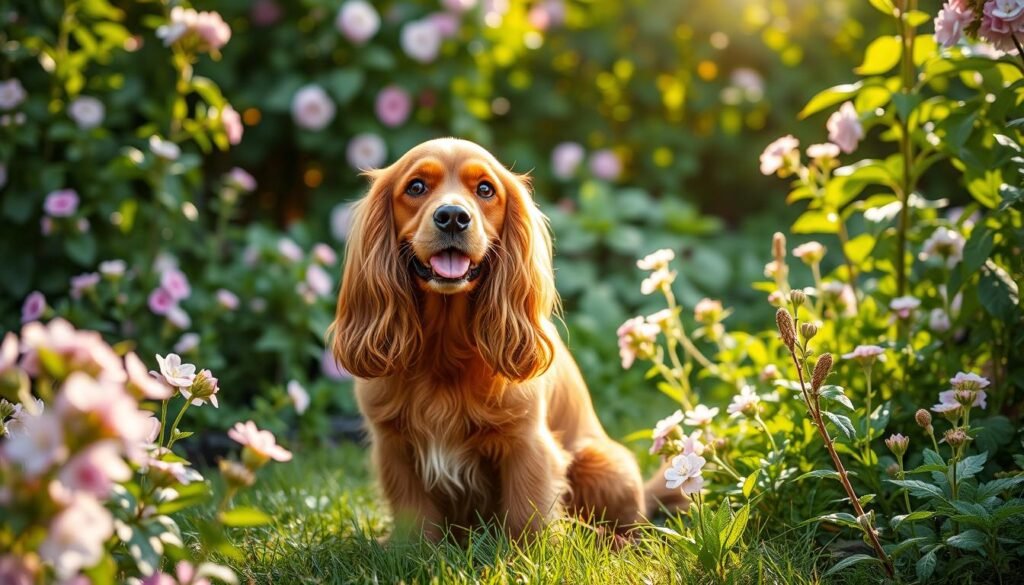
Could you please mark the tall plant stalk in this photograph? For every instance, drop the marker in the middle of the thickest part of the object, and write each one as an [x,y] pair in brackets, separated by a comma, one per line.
[907,184]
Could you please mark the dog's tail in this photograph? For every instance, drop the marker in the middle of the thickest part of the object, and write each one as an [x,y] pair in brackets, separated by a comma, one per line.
[659,498]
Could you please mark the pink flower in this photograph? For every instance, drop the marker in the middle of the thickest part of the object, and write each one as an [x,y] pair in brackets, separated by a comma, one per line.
[951,22]
[636,339]
[663,429]
[866,354]
[160,301]
[341,221]
[265,12]
[208,29]
[447,23]
[948,401]
[685,473]
[12,93]
[1001,20]
[779,155]
[357,21]
[227,299]
[174,372]
[178,317]
[700,416]
[458,6]
[965,381]
[106,407]
[289,250]
[904,307]
[204,388]
[692,444]
[811,252]
[83,351]
[319,281]
[946,244]
[84,283]
[421,40]
[324,254]
[745,403]
[261,446]
[330,368]
[566,158]
[34,307]
[241,180]
[37,445]
[77,536]
[61,203]
[187,342]
[172,472]
[298,395]
[708,311]
[86,111]
[95,469]
[141,382]
[844,128]
[366,151]
[312,108]
[605,165]
[393,106]
[14,570]
[232,122]
[9,352]
[176,284]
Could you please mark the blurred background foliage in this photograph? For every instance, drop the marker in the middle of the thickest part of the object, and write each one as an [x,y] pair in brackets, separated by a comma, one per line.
[670,102]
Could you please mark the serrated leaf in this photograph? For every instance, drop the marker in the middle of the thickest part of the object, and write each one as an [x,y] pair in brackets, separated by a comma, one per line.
[970,466]
[926,566]
[736,528]
[820,473]
[971,539]
[917,488]
[836,394]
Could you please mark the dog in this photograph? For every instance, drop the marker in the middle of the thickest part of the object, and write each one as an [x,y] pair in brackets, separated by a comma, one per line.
[476,411]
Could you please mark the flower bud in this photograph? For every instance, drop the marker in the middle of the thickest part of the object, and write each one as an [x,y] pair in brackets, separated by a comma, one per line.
[777,299]
[953,414]
[797,297]
[956,437]
[779,247]
[786,330]
[808,330]
[923,418]
[965,397]
[892,470]
[720,444]
[235,474]
[821,371]
[898,444]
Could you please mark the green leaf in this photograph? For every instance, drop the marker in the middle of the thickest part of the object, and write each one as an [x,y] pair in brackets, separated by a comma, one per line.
[829,98]
[912,517]
[970,466]
[344,84]
[971,539]
[998,293]
[849,562]
[881,55]
[835,394]
[843,423]
[750,482]
[818,473]
[996,487]
[841,518]
[884,6]
[926,566]
[916,18]
[905,104]
[242,517]
[736,528]
[918,488]
[81,248]
[816,222]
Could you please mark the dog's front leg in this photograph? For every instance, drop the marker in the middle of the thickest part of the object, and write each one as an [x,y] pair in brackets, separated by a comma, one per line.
[413,509]
[533,481]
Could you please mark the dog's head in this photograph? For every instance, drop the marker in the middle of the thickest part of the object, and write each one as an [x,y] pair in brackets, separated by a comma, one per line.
[446,219]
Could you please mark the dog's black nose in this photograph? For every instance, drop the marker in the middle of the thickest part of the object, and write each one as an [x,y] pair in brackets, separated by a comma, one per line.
[451,218]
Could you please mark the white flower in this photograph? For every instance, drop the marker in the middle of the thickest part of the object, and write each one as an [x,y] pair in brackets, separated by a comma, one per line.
[421,40]
[938,321]
[657,280]
[810,253]
[844,129]
[825,151]
[37,444]
[12,93]
[656,260]
[904,306]
[779,155]
[312,108]
[745,403]
[566,159]
[87,111]
[692,444]
[319,281]
[76,537]
[187,343]
[700,415]
[366,151]
[663,428]
[636,339]
[113,269]
[341,221]
[95,469]
[968,381]
[946,244]
[289,250]
[866,354]
[164,149]
[298,395]
[358,21]
[176,373]
[141,382]
[662,318]
[685,473]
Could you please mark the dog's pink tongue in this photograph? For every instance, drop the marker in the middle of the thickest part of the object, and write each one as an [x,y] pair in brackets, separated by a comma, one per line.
[450,264]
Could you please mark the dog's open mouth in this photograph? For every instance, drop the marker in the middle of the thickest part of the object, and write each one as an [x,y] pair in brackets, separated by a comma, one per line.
[450,265]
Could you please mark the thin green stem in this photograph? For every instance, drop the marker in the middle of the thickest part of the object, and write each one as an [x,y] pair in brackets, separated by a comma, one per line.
[174,428]
[771,439]
[163,420]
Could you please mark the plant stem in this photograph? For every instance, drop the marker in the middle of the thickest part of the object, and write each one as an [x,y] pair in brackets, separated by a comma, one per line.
[815,410]
[771,439]
[171,439]
[844,238]
[684,340]
[906,147]
[163,420]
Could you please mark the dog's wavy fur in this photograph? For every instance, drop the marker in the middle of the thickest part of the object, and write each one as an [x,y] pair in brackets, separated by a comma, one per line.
[475,408]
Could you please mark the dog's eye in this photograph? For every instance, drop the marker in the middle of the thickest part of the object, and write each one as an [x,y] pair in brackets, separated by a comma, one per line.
[416,188]
[485,190]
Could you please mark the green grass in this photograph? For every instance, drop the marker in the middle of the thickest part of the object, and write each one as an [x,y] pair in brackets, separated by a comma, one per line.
[327,521]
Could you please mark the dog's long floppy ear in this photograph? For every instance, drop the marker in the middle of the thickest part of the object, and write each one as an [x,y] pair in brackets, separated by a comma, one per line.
[517,296]
[376,330]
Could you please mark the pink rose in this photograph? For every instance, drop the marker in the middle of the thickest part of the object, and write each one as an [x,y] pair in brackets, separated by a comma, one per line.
[844,129]
[312,108]
[61,203]
[605,164]
[393,106]
[232,123]
[366,151]
[421,40]
[357,21]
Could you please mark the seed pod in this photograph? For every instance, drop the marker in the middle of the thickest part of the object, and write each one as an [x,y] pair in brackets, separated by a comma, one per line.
[797,297]
[923,418]
[786,330]
[808,330]
[779,247]
[821,371]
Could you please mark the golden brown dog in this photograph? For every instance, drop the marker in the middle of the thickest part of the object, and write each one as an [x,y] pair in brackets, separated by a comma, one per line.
[476,409]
